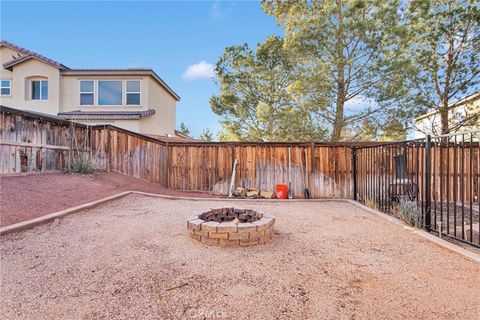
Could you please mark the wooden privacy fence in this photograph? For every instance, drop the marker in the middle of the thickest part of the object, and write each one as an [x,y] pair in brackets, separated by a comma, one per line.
[32,142]
[36,142]
[326,169]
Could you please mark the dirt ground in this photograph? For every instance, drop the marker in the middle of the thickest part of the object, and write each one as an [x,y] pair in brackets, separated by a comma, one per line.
[30,196]
[132,259]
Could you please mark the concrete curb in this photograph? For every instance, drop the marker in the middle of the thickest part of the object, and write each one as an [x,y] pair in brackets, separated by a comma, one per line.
[421,233]
[235,199]
[59,214]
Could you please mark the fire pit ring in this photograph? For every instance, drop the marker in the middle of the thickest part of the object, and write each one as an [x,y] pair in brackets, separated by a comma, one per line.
[229,227]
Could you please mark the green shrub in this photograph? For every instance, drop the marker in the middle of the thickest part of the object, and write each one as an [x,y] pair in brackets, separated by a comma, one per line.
[83,165]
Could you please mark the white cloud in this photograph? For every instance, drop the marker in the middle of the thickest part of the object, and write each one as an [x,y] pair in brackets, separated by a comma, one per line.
[220,9]
[199,71]
[359,104]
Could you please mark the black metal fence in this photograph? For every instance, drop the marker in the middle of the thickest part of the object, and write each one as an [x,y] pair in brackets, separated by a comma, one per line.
[432,183]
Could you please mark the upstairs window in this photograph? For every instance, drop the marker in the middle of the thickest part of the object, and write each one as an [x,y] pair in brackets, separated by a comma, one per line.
[5,87]
[133,92]
[87,93]
[39,89]
[110,92]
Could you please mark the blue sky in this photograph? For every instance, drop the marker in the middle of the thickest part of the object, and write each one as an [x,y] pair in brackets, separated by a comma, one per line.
[178,39]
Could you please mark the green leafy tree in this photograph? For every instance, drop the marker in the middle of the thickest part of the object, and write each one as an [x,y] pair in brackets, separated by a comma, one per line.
[206,135]
[392,129]
[255,101]
[343,49]
[443,42]
[183,129]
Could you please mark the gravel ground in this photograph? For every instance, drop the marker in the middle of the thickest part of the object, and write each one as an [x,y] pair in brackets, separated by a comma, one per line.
[26,197]
[132,259]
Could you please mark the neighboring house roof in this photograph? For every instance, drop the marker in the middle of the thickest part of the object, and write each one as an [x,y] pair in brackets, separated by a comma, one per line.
[174,138]
[64,70]
[104,115]
[471,97]
[183,135]
[27,55]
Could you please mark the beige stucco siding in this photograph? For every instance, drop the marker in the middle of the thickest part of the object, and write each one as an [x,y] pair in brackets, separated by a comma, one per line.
[20,97]
[6,54]
[70,97]
[163,122]
[431,123]
[131,125]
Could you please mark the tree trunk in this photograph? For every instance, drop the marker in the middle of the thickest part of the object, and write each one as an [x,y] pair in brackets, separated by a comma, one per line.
[445,125]
[339,113]
[339,106]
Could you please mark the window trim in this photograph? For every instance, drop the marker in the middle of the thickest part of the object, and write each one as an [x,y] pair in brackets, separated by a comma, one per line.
[87,92]
[139,92]
[9,88]
[41,98]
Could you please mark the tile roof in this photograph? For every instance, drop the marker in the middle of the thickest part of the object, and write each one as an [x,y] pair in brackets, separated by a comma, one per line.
[27,54]
[78,114]
[174,138]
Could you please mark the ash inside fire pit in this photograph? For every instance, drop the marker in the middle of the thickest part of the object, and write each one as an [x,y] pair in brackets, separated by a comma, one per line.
[230,214]
[231,227]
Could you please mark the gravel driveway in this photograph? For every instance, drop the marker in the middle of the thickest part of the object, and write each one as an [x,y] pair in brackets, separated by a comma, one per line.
[132,259]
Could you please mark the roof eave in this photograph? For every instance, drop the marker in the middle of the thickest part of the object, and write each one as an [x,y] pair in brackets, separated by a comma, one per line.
[10,64]
[77,117]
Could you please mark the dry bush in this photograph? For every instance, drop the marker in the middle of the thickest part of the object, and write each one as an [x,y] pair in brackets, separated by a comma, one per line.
[409,212]
[369,202]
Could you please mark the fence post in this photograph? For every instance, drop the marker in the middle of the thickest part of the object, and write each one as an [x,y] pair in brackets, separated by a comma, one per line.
[108,149]
[354,172]
[167,166]
[428,182]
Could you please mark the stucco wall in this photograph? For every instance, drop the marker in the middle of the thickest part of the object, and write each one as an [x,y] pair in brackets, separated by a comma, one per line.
[132,125]
[20,88]
[70,96]
[431,124]
[163,122]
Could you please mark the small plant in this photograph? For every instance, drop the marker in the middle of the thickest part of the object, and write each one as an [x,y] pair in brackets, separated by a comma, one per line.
[83,165]
[409,212]
[369,202]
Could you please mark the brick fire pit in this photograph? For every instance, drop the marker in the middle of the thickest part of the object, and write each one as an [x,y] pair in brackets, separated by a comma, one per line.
[231,227]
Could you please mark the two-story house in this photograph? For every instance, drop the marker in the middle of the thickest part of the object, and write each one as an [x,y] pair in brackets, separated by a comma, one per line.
[133,99]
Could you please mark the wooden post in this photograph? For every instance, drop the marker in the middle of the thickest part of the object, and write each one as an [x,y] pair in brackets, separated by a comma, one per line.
[70,150]
[428,181]
[108,151]
[232,181]
[312,166]
[167,166]
[354,172]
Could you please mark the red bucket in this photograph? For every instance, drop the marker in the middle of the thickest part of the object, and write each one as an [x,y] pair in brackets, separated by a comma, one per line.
[281,191]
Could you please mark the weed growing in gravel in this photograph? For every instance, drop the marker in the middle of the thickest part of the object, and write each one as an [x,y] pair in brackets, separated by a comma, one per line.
[409,212]
[369,202]
[83,165]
